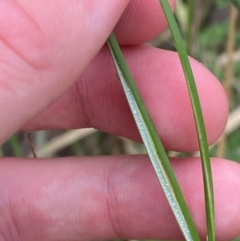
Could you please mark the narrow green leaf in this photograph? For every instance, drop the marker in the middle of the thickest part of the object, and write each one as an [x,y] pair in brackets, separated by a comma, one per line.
[236,3]
[202,138]
[153,145]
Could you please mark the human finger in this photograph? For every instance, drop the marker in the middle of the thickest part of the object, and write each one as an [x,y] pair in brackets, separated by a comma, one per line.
[103,198]
[97,100]
[141,21]
[42,45]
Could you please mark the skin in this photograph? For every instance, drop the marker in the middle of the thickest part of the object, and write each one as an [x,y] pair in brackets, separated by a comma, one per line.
[56,74]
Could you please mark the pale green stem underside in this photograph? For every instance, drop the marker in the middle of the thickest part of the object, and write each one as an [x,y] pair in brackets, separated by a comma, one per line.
[166,177]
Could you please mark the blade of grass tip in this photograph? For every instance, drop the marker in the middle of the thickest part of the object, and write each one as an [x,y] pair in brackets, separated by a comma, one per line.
[202,137]
[153,145]
[236,3]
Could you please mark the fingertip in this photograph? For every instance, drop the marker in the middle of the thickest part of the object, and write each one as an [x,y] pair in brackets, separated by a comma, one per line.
[160,79]
[172,110]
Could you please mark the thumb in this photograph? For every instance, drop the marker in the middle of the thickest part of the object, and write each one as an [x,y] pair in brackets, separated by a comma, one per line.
[44,47]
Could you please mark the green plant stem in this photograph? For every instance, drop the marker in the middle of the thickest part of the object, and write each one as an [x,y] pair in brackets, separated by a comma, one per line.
[153,144]
[202,138]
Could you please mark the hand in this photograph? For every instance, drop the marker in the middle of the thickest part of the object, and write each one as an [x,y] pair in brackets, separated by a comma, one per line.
[52,77]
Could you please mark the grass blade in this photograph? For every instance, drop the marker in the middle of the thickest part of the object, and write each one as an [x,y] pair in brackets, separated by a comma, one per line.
[153,145]
[202,138]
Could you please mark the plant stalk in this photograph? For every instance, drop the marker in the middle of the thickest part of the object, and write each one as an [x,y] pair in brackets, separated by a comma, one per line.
[202,137]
